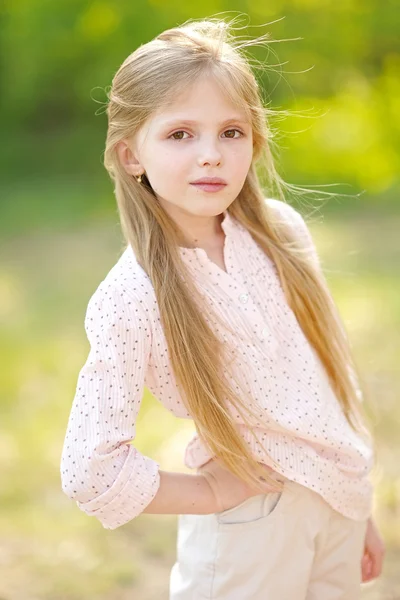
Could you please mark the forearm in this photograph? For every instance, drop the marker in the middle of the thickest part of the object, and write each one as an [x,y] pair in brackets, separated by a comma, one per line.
[181,493]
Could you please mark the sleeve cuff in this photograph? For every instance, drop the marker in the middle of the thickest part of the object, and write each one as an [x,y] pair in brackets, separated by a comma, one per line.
[129,495]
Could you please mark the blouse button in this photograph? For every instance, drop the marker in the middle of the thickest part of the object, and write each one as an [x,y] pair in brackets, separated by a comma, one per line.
[265,332]
[243,298]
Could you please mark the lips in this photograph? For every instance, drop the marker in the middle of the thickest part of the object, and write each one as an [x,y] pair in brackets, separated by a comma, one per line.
[209,187]
[209,180]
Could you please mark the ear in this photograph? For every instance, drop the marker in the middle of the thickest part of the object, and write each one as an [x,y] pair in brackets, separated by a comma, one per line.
[128,159]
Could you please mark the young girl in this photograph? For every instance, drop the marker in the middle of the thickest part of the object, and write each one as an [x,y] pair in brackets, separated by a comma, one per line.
[218,305]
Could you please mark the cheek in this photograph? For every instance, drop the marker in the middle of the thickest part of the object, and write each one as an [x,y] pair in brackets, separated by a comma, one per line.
[169,163]
[169,172]
[241,160]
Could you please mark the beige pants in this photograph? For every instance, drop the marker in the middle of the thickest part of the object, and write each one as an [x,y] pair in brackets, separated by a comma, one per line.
[288,545]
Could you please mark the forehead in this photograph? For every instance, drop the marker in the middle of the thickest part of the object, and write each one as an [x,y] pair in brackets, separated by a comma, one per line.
[205,100]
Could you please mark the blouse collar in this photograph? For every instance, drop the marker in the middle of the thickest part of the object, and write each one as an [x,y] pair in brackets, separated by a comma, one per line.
[228,225]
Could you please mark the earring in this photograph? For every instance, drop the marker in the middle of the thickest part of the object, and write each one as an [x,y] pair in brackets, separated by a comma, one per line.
[139,178]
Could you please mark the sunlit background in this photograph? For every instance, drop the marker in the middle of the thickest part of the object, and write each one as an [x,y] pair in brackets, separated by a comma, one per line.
[60,235]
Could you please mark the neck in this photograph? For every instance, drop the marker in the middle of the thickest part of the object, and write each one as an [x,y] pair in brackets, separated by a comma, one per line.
[205,235]
[197,232]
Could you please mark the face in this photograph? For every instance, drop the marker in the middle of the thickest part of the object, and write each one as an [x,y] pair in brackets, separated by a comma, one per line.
[202,134]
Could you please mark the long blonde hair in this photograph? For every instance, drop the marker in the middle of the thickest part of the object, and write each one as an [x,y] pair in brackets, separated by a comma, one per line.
[147,80]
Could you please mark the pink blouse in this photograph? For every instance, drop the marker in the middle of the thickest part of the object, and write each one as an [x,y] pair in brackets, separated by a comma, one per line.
[301,424]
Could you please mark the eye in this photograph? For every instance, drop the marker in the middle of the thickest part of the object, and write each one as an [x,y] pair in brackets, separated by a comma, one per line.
[230,130]
[175,133]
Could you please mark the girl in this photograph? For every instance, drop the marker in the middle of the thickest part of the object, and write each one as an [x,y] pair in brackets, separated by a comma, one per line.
[218,304]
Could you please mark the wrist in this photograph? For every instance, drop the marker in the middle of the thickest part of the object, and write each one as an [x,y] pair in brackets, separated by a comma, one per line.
[213,485]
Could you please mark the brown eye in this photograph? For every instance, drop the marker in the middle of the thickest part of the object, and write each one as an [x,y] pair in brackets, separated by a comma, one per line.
[233,131]
[177,133]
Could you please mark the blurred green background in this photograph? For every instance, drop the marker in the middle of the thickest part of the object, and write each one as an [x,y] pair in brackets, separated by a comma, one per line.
[60,235]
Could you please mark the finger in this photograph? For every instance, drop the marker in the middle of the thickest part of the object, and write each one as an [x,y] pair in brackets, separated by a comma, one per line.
[376,566]
[366,577]
[366,567]
[373,566]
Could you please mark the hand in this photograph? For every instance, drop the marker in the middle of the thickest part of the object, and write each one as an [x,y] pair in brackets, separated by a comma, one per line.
[374,551]
[229,490]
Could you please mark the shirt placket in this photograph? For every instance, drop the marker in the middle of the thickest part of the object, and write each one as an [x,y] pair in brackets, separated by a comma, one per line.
[212,280]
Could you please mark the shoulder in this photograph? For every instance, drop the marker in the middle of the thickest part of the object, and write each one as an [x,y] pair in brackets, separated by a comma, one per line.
[294,218]
[288,214]
[285,210]
[124,295]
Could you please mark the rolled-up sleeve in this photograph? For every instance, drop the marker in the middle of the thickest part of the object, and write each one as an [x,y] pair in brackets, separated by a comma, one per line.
[100,469]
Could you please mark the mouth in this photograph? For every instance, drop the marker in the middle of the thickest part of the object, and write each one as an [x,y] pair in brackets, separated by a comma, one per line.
[210,184]
[216,180]
[209,187]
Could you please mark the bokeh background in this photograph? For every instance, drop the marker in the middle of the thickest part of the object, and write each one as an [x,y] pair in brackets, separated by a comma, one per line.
[60,235]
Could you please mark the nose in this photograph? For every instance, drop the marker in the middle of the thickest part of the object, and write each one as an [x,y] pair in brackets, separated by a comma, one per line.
[209,154]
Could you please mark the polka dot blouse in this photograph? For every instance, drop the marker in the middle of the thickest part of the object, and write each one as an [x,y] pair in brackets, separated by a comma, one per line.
[300,422]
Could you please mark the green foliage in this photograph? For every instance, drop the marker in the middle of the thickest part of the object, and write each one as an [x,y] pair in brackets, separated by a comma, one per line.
[339,67]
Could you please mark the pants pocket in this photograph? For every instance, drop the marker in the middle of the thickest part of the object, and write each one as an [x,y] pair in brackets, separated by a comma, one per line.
[252,510]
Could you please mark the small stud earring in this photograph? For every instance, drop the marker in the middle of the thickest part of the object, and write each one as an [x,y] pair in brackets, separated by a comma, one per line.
[139,178]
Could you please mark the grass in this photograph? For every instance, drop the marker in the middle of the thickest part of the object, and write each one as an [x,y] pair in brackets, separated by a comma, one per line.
[49,550]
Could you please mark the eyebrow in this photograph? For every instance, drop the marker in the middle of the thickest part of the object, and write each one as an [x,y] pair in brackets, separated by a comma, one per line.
[191,122]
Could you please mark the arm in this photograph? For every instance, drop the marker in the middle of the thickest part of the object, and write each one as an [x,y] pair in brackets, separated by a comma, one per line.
[100,469]
[105,474]
[215,489]
[181,493]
